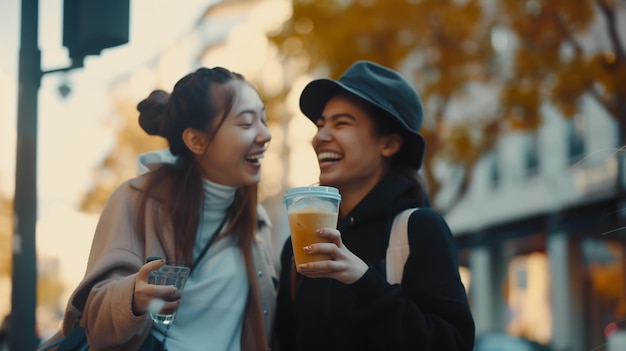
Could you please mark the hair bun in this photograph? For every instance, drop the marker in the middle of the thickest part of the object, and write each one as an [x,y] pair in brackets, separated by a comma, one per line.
[152,112]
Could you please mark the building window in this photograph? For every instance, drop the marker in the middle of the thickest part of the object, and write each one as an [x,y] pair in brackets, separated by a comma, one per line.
[527,295]
[604,261]
[531,156]
[494,171]
[576,138]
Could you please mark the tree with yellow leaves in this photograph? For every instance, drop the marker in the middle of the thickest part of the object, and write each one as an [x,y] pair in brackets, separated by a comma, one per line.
[451,44]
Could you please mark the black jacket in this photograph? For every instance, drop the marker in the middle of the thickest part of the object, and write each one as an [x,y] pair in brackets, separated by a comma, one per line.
[428,311]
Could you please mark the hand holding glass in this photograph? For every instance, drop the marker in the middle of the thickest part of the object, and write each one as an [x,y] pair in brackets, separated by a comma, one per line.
[174,274]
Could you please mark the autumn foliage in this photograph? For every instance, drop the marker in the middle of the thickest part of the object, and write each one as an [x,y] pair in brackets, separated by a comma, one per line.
[532,51]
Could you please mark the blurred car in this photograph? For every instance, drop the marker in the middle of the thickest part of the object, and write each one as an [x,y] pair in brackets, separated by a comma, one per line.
[505,342]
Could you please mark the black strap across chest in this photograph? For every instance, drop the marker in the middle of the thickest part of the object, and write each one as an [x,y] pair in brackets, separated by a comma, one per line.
[208,244]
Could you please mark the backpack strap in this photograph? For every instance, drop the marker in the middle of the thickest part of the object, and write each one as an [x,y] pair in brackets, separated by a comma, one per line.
[398,249]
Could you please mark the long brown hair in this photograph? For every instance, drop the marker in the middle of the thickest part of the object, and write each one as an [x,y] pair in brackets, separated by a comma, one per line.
[178,187]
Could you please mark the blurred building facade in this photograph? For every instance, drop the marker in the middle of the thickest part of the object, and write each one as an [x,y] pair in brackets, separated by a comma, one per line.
[541,231]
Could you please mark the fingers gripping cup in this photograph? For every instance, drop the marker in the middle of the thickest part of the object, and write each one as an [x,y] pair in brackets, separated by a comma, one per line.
[174,274]
[310,208]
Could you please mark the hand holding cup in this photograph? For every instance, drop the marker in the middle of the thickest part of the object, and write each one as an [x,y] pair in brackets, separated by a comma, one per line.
[309,209]
[158,289]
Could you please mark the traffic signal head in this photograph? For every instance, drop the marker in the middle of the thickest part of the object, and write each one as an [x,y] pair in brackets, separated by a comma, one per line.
[89,26]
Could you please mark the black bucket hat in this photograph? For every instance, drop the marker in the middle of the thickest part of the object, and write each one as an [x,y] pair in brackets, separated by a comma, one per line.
[381,87]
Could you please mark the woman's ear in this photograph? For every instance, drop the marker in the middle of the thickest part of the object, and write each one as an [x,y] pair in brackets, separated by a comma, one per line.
[195,140]
[391,145]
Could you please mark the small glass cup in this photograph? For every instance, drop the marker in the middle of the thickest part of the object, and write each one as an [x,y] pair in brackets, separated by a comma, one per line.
[171,273]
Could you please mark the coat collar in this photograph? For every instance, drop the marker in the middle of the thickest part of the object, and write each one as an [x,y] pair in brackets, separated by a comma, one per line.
[389,196]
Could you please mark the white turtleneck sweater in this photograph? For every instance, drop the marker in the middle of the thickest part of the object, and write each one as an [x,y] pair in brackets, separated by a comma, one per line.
[214,298]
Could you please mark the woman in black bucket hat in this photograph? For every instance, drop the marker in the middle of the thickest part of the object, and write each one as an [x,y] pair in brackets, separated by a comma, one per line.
[369,147]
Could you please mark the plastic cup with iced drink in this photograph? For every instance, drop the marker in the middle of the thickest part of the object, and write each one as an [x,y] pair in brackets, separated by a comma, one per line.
[308,209]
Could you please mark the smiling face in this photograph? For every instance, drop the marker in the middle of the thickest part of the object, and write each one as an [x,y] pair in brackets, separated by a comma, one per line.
[232,157]
[352,156]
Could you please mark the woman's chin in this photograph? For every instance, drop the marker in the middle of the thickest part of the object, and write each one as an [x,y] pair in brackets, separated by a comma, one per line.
[328,180]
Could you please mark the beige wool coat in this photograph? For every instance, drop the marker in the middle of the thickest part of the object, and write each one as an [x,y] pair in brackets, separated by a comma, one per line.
[103,300]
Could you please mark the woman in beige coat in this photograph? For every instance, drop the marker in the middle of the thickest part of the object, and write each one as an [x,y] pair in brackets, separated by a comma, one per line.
[202,192]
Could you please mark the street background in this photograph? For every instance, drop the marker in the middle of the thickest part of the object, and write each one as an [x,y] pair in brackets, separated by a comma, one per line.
[525,123]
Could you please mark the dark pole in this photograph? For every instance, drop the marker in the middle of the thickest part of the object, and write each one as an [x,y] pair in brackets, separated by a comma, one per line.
[89,27]
[23,298]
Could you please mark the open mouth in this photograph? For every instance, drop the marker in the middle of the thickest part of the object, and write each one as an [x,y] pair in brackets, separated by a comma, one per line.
[254,158]
[328,157]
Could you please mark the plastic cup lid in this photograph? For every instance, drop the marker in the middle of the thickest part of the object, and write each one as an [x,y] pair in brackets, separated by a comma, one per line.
[319,191]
